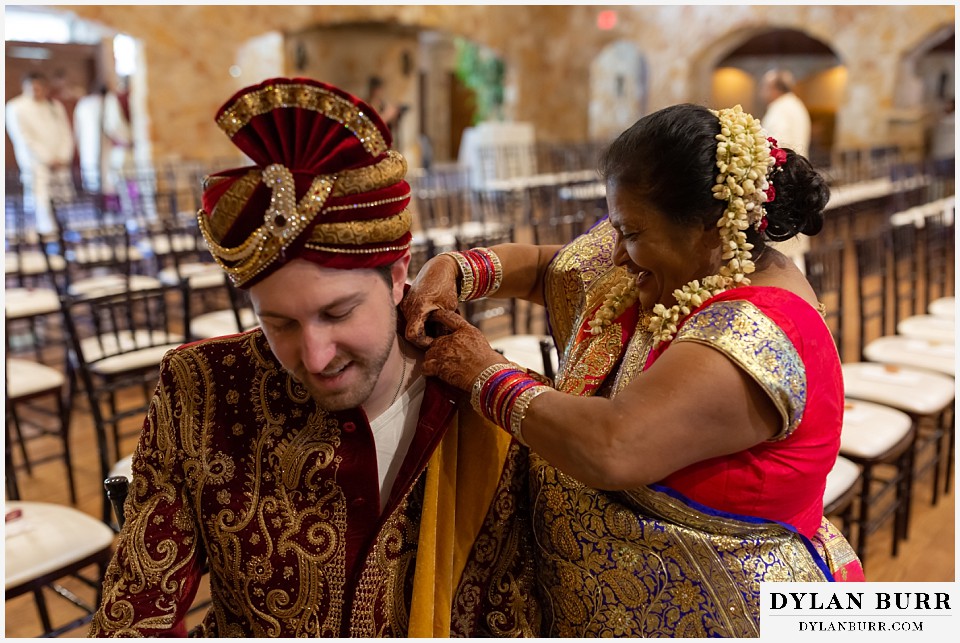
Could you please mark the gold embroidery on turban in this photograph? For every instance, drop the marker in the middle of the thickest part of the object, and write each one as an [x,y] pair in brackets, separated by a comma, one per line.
[317,99]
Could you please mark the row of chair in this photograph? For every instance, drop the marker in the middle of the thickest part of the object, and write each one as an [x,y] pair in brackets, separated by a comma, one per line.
[93,306]
[898,423]
[855,164]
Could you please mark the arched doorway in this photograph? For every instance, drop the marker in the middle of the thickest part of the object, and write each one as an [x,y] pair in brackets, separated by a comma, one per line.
[618,89]
[422,70]
[820,74]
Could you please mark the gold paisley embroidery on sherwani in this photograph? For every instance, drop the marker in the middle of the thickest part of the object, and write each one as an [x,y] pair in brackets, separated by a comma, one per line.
[236,466]
[645,562]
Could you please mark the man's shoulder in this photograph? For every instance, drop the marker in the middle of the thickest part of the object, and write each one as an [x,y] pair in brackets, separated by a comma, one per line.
[793,101]
[226,349]
[16,101]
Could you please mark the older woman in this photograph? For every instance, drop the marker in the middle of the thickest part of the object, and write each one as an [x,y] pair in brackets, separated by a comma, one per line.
[683,455]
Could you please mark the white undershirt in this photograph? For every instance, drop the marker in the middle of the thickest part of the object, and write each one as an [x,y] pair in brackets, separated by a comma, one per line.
[393,431]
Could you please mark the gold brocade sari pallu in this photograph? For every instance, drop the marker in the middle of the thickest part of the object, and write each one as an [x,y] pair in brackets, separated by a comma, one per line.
[645,563]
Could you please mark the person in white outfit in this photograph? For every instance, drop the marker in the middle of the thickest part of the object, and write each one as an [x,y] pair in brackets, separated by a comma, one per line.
[42,139]
[788,122]
[103,139]
[786,118]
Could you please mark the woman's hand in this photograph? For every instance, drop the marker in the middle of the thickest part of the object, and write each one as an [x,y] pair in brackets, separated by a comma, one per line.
[460,353]
[435,288]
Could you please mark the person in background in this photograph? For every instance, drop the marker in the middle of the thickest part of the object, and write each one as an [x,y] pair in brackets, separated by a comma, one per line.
[681,457]
[43,147]
[786,119]
[64,89]
[103,139]
[390,112]
[332,489]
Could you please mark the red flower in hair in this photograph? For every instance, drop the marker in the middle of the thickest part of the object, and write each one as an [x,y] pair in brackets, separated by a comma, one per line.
[763,225]
[779,156]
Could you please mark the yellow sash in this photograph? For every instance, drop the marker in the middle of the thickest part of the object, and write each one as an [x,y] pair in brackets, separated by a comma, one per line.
[462,475]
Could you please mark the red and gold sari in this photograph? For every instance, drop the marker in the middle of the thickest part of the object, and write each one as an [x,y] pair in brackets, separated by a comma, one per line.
[685,557]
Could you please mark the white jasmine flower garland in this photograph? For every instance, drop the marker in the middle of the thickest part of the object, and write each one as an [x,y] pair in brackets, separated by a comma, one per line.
[744,162]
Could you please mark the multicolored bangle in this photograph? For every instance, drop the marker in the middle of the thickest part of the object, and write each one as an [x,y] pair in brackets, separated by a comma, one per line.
[502,393]
[519,410]
[481,272]
[482,378]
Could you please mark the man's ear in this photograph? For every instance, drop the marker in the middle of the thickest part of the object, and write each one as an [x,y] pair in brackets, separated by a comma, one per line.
[398,272]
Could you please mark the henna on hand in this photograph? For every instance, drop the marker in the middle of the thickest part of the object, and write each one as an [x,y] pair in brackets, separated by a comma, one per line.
[460,354]
[434,289]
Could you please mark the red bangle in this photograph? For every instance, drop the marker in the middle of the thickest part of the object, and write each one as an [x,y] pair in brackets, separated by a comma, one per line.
[502,394]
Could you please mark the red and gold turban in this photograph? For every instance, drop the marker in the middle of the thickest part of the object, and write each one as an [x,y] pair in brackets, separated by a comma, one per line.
[326,186]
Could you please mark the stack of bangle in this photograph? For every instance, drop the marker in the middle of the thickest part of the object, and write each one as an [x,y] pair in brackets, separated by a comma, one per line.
[480,270]
[502,393]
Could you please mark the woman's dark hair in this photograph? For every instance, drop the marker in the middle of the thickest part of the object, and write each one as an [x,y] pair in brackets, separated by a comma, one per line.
[669,159]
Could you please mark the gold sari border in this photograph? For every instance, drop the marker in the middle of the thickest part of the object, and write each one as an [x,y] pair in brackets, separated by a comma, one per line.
[575,283]
[742,332]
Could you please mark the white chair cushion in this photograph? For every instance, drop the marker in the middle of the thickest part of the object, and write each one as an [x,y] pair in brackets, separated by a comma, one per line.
[842,476]
[524,350]
[161,244]
[96,253]
[446,238]
[221,322]
[20,303]
[943,307]
[32,263]
[123,468]
[25,378]
[206,275]
[48,537]
[938,329]
[201,275]
[912,352]
[110,284]
[908,389]
[92,350]
[870,430]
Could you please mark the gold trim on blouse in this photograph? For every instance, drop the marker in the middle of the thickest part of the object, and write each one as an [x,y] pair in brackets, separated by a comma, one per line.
[742,332]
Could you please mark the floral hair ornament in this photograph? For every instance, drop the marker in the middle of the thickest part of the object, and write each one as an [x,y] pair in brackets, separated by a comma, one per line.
[779,158]
[744,160]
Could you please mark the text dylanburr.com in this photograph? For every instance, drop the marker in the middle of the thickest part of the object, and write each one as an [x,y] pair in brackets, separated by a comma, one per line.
[913,611]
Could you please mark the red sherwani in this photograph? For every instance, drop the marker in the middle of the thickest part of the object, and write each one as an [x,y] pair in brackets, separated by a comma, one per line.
[238,467]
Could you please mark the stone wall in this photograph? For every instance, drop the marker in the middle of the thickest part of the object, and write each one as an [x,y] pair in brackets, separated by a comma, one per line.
[548,49]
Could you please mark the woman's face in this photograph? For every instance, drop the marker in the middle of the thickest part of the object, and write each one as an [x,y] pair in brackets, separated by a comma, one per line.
[664,255]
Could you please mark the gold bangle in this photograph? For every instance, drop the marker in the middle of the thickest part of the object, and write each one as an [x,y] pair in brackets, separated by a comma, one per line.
[482,378]
[519,410]
[466,275]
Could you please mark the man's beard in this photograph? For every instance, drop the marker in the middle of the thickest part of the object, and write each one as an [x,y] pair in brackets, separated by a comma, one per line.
[357,395]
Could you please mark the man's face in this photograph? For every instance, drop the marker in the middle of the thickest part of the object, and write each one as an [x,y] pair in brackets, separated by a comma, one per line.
[37,88]
[332,330]
[768,89]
